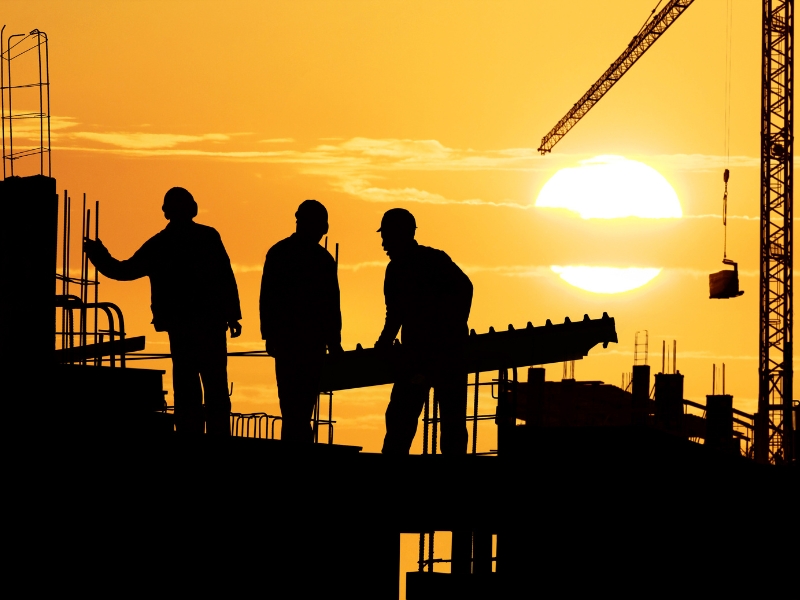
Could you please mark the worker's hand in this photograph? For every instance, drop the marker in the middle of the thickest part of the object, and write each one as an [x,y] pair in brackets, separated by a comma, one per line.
[92,247]
[383,346]
[236,328]
[335,350]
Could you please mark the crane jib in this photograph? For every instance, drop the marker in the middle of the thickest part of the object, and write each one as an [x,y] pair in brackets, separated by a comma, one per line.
[641,42]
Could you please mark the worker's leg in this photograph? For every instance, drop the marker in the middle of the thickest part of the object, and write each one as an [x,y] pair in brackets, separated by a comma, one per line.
[187,393]
[298,378]
[450,390]
[213,358]
[402,415]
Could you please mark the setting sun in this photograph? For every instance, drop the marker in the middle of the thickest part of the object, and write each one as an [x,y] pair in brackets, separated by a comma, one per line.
[606,280]
[611,187]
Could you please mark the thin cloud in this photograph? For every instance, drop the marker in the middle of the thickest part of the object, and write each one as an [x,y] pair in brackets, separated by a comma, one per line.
[702,162]
[510,270]
[370,264]
[683,354]
[701,274]
[147,141]
[353,165]
[502,270]
[715,217]
[29,129]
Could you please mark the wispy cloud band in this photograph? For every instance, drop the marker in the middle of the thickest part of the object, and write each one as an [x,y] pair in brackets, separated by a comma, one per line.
[353,165]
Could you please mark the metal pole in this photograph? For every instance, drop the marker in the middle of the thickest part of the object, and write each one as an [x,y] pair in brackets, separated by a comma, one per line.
[3,99]
[47,74]
[674,356]
[425,425]
[96,277]
[475,415]
[41,105]
[435,430]
[10,112]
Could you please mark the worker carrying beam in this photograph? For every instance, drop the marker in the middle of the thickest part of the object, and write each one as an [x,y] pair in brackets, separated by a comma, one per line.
[195,300]
[429,297]
[300,317]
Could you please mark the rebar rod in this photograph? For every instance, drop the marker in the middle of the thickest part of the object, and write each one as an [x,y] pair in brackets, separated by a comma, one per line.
[435,429]
[425,425]
[41,105]
[96,277]
[475,414]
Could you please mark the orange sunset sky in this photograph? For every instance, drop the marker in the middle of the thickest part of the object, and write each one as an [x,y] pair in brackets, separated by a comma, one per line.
[437,107]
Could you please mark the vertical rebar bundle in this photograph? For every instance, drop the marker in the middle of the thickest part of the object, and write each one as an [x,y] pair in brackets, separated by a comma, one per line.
[29,45]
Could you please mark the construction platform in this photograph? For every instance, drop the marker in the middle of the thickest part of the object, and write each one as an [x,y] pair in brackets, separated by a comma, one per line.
[607,508]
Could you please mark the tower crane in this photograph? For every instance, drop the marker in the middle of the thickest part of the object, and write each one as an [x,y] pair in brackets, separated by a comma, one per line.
[774,430]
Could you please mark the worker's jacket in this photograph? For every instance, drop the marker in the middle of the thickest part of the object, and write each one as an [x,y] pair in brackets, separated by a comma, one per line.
[191,279]
[299,304]
[429,297]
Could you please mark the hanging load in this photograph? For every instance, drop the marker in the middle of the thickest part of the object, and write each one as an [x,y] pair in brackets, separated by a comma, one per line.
[725,284]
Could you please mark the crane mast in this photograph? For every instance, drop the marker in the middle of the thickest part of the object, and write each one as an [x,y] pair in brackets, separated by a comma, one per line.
[774,435]
[640,43]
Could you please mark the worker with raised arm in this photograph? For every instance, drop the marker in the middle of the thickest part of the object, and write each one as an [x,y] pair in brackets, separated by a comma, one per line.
[429,298]
[195,300]
[300,317]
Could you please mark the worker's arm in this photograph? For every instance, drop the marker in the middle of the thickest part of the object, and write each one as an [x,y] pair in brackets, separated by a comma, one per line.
[333,321]
[394,318]
[230,291]
[121,270]
[462,287]
[266,303]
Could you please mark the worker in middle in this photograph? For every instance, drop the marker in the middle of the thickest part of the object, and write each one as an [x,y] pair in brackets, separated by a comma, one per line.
[429,297]
[300,317]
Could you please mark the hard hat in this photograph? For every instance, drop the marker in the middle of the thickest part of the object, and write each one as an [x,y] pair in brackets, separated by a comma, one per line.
[312,210]
[398,219]
[179,203]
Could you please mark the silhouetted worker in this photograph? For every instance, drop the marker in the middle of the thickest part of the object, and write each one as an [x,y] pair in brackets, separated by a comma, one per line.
[195,300]
[300,317]
[430,298]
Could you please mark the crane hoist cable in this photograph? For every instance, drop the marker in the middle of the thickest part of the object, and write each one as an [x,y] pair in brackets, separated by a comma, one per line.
[725,284]
[725,178]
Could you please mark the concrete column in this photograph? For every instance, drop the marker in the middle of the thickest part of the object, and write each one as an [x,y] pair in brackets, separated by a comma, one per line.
[719,422]
[669,402]
[534,408]
[640,389]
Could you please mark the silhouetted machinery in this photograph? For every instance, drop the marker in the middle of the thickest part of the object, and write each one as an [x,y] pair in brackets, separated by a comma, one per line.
[490,351]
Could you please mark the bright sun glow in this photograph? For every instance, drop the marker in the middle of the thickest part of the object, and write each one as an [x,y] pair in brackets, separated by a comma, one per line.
[606,280]
[611,187]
